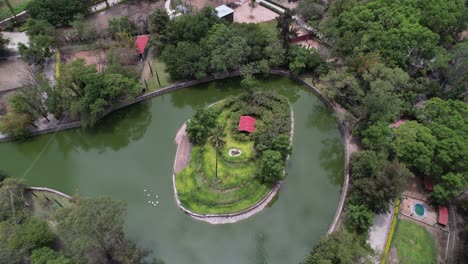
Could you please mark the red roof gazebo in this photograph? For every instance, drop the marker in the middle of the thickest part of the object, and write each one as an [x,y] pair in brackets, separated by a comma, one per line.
[443,215]
[140,44]
[428,184]
[247,124]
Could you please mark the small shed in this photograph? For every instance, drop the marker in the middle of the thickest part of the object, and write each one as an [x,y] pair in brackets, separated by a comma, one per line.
[224,11]
[443,215]
[247,124]
[141,45]
[428,184]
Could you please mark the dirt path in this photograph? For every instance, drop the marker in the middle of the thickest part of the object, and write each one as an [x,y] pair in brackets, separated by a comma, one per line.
[184,148]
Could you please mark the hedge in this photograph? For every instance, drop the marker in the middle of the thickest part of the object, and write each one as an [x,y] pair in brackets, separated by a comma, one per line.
[277,4]
[392,232]
[271,8]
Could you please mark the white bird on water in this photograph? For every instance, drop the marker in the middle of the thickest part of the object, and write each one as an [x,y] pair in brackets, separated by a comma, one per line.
[145,190]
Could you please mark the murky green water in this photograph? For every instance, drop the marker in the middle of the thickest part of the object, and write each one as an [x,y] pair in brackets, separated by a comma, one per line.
[133,150]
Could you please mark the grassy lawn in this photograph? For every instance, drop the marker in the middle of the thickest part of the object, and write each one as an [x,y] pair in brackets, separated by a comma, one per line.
[44,204]
[414,244]
[236,186]
[159,67]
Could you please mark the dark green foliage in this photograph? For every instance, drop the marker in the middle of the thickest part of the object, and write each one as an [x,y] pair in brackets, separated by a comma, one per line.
[192,28]
[375,181]
[450,187]
[414,145]
[157,23]
[340,247]
[455,76]
[31,234]
[46,255]
[38,49]
[310,10]
[39,27]
[282,145]
[302,59]
[92,232]
[271,166]
[3,44]
[220,49]
[121,25]
[57,12]
[11,188]
[447,121]
[389,28]
[286,31]
[85,93]
[200,126]
[358,218]
[378,137]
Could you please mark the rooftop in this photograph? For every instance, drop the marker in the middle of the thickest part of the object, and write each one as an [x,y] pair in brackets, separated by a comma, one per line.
[224,10]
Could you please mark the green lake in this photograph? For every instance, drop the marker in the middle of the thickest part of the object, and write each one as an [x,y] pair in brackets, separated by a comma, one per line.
[133,149]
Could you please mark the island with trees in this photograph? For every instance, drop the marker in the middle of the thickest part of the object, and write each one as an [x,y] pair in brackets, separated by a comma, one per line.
[239,148]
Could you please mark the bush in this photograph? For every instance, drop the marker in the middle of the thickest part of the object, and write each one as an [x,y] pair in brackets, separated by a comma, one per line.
[358,218]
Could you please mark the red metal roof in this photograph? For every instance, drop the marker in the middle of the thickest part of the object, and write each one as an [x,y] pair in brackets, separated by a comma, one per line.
[247,124]
[443,215]
[428,184]
[140,43]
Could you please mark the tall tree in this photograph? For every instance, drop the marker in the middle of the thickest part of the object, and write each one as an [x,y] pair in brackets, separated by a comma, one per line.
[217,139]
[92,232]
[340,247]
[287,32]
[58,12]
[271,166]
[3,44]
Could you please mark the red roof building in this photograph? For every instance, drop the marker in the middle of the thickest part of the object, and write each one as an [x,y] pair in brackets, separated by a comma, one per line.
[140,44]
[443,215]
[247,124]
[428,184]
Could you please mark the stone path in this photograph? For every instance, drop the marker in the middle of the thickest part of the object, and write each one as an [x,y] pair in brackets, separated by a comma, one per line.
[379,231]
[184,148]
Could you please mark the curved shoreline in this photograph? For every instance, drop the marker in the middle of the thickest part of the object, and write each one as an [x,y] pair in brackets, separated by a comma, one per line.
[184,146]
[284,73]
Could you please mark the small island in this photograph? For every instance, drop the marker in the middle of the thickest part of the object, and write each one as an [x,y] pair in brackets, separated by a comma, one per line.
[231,156]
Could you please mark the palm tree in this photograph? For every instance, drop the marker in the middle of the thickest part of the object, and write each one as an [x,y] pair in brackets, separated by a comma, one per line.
[217,135]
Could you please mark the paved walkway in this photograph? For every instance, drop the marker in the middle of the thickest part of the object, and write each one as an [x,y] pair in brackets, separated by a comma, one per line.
[379,231]
[184,148]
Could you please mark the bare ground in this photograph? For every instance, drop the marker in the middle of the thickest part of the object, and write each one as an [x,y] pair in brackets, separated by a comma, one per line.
[11,71]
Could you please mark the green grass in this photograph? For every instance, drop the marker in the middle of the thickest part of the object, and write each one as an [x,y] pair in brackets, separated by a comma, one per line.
[159,67]
[414,244]
[43,208]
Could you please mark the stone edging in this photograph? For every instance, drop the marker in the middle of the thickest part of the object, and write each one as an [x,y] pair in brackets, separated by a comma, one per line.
[182,85]
[232,217]
[44,189]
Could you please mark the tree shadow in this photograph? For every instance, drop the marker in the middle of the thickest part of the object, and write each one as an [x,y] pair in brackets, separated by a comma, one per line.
[332,160]
[322,119]
[115,131]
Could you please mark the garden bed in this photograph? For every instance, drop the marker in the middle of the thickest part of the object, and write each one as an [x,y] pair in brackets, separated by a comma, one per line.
[238,184]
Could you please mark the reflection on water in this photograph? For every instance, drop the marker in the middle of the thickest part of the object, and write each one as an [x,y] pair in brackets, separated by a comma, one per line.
[331,157]
[321,118]
[125,126]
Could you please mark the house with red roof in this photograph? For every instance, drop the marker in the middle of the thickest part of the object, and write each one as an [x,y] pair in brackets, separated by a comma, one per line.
[247,124]
[141,45]
[443,215]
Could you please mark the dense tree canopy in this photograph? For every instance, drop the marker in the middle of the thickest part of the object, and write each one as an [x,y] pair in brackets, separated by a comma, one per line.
[85,93]
[395,30]
[92,231]
[375,181]
[340,247]
[58,12]
[271,166]
[3,44]
[200,126]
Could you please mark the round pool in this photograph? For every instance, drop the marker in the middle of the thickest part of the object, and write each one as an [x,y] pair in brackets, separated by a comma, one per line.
[419,209]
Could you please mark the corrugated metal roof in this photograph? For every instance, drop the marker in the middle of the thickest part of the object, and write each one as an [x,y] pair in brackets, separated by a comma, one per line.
[223,10]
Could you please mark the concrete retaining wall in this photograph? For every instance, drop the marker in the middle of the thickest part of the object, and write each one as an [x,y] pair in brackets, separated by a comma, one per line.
[44,189]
